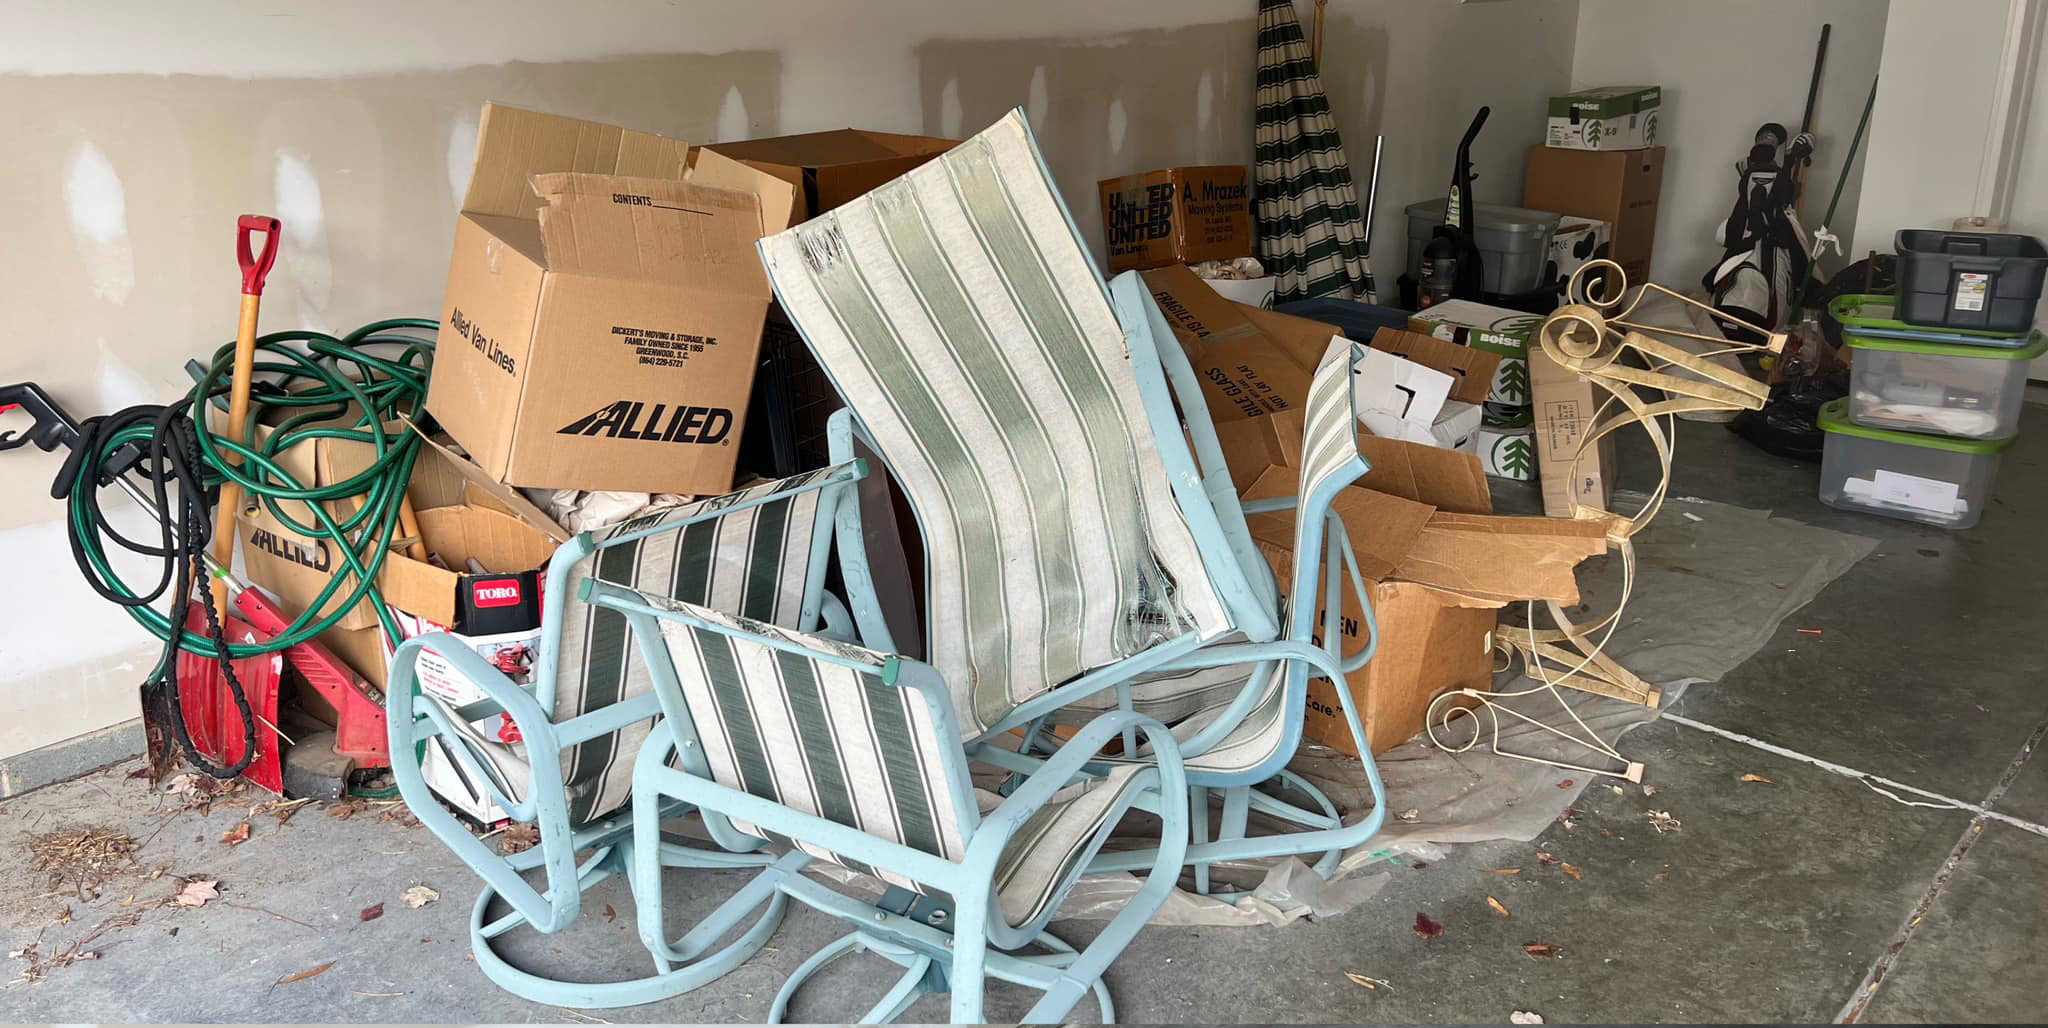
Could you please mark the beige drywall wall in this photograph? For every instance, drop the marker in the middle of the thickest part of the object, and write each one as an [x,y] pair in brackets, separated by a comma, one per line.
[1727,67]
[138,132]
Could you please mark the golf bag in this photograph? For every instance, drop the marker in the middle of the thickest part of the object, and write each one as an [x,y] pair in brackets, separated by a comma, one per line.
[1766,252]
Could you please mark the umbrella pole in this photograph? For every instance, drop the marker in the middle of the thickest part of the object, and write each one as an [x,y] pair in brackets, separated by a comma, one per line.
[1315,39]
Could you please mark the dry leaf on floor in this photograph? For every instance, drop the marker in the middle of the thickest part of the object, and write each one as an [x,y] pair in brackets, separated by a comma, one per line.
[1545,859]
[235,836]
[1662,821]
[1525,1017]
[1427,928]
[371,913]
[1410,815]
[1570,870]
[610,915]
[346,809]
[1505,871]
[1363,982]
[1566,784]
[303,975]
[198,891]
[1541,950]
[1753,777]
[419,896]
[1497,908]
[519,838]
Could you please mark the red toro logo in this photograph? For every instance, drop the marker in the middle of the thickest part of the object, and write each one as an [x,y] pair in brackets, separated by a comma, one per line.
[494,594]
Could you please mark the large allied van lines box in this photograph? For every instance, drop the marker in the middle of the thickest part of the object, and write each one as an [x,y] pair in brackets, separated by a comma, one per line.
[604,307]
[1177,216]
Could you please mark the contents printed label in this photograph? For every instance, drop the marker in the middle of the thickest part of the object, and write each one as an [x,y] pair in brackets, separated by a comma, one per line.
[1926,494]
[1971,288]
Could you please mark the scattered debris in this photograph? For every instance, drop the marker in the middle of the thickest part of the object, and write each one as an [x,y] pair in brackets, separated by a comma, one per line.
[1616,788]
[519,838]
[1649,790]
[399,814]
[40,965]
[235,836]
[197,891]
[1497,908]
[1427,928]
[1541,950]
[419,896]
[201,791]
[1368,983]
[1411,815]
[307,973]
[283,810]
[1573,871]
[345,809]
[371,913]
[1525,1017]
[610,915]
[1505,871]
[1545,859]
[1566,784]
[1662,821]
[81,859]
[1809,631]
[1754,777]
[1569,819]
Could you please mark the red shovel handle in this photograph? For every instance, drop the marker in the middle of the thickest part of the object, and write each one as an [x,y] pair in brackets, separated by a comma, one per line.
[255,267]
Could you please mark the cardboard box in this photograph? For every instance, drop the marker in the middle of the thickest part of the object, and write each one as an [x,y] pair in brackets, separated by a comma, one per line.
[1412,387]
[1617,187]
[1574,482]
[1496,330]
[1607,118]
[1438,564]
[1251,362]
[604,307]
[1576,242]
[1508,451]
[830,168]
[462,515]
[1177,216]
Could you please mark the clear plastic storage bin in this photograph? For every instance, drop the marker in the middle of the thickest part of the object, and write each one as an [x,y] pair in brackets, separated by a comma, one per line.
[1927,478]
[1970,392]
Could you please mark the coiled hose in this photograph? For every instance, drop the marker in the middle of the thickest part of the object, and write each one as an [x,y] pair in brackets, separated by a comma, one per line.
[361,387]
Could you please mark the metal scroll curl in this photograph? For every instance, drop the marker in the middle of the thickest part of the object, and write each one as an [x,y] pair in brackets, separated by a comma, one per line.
[1594,334]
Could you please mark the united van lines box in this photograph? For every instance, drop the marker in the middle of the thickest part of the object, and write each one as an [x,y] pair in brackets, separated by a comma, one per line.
[831,168]
[1177,216]
[604,307]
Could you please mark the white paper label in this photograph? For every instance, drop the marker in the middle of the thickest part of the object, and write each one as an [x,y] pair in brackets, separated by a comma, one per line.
[1970,289]
[1928,494]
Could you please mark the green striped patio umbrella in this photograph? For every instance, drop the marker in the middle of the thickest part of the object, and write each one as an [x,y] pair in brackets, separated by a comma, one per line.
[1310,232]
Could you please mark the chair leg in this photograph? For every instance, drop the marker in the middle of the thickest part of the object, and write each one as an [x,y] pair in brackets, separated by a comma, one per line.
[1198,832]
[914,983]
[970,957]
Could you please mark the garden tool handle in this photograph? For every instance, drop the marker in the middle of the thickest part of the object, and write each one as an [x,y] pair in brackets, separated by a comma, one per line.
[255,267]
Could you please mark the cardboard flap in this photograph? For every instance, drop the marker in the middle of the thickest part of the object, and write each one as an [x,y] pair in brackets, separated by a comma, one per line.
[1502,558]
[513,145]
[1382,528]
[654,229]
[778,197]
[1393,392]
[507,498]
[1471,370]
[1445,479]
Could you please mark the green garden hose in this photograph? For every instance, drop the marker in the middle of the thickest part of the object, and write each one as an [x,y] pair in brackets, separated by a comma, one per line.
[362,387]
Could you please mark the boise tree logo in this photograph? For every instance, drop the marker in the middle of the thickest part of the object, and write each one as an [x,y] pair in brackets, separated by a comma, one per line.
[1650,129]
[1511,381]
[1594,130]
[1514,457]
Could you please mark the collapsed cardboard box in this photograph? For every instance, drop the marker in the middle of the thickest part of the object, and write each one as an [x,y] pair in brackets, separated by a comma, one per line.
[1421,389]
[463,516]
[830,168]
[1437,562]
[604,307]
[1251,362]
[1578,480]
[1177,216]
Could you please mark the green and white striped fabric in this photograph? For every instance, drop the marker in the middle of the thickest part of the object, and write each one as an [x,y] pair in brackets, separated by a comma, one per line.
[755,561]
[1310,232]
[960,317]
[844,744]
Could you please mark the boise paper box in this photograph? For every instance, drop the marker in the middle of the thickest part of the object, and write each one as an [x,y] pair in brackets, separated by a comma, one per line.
[1438,565]
[1607,118]
[1177,216]
[604,307]
[1621,188]
[1577,479]
[830,168]
[1495,330]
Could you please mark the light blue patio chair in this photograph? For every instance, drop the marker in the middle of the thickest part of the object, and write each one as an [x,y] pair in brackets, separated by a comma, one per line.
[838,753]
[1079,559]
[588,710]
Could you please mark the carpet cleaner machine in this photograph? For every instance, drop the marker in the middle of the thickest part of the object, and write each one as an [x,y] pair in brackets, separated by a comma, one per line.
[212,698]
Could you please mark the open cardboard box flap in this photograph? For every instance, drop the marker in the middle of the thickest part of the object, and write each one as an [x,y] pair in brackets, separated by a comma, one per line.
[1251,362]
[662,230]
[1471,370]
[513,145]
[1444,479]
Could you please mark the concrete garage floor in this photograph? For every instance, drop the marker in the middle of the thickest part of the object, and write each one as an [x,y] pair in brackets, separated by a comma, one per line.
[1804,899]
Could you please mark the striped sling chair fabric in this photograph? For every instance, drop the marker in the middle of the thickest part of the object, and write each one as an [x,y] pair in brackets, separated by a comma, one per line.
[756,561]
[1311,234]
[855,748]
[960,317]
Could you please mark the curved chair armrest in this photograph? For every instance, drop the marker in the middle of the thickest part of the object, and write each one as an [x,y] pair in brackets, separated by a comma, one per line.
[712,508]
[1271,504]
[1059,770]
[545,801]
